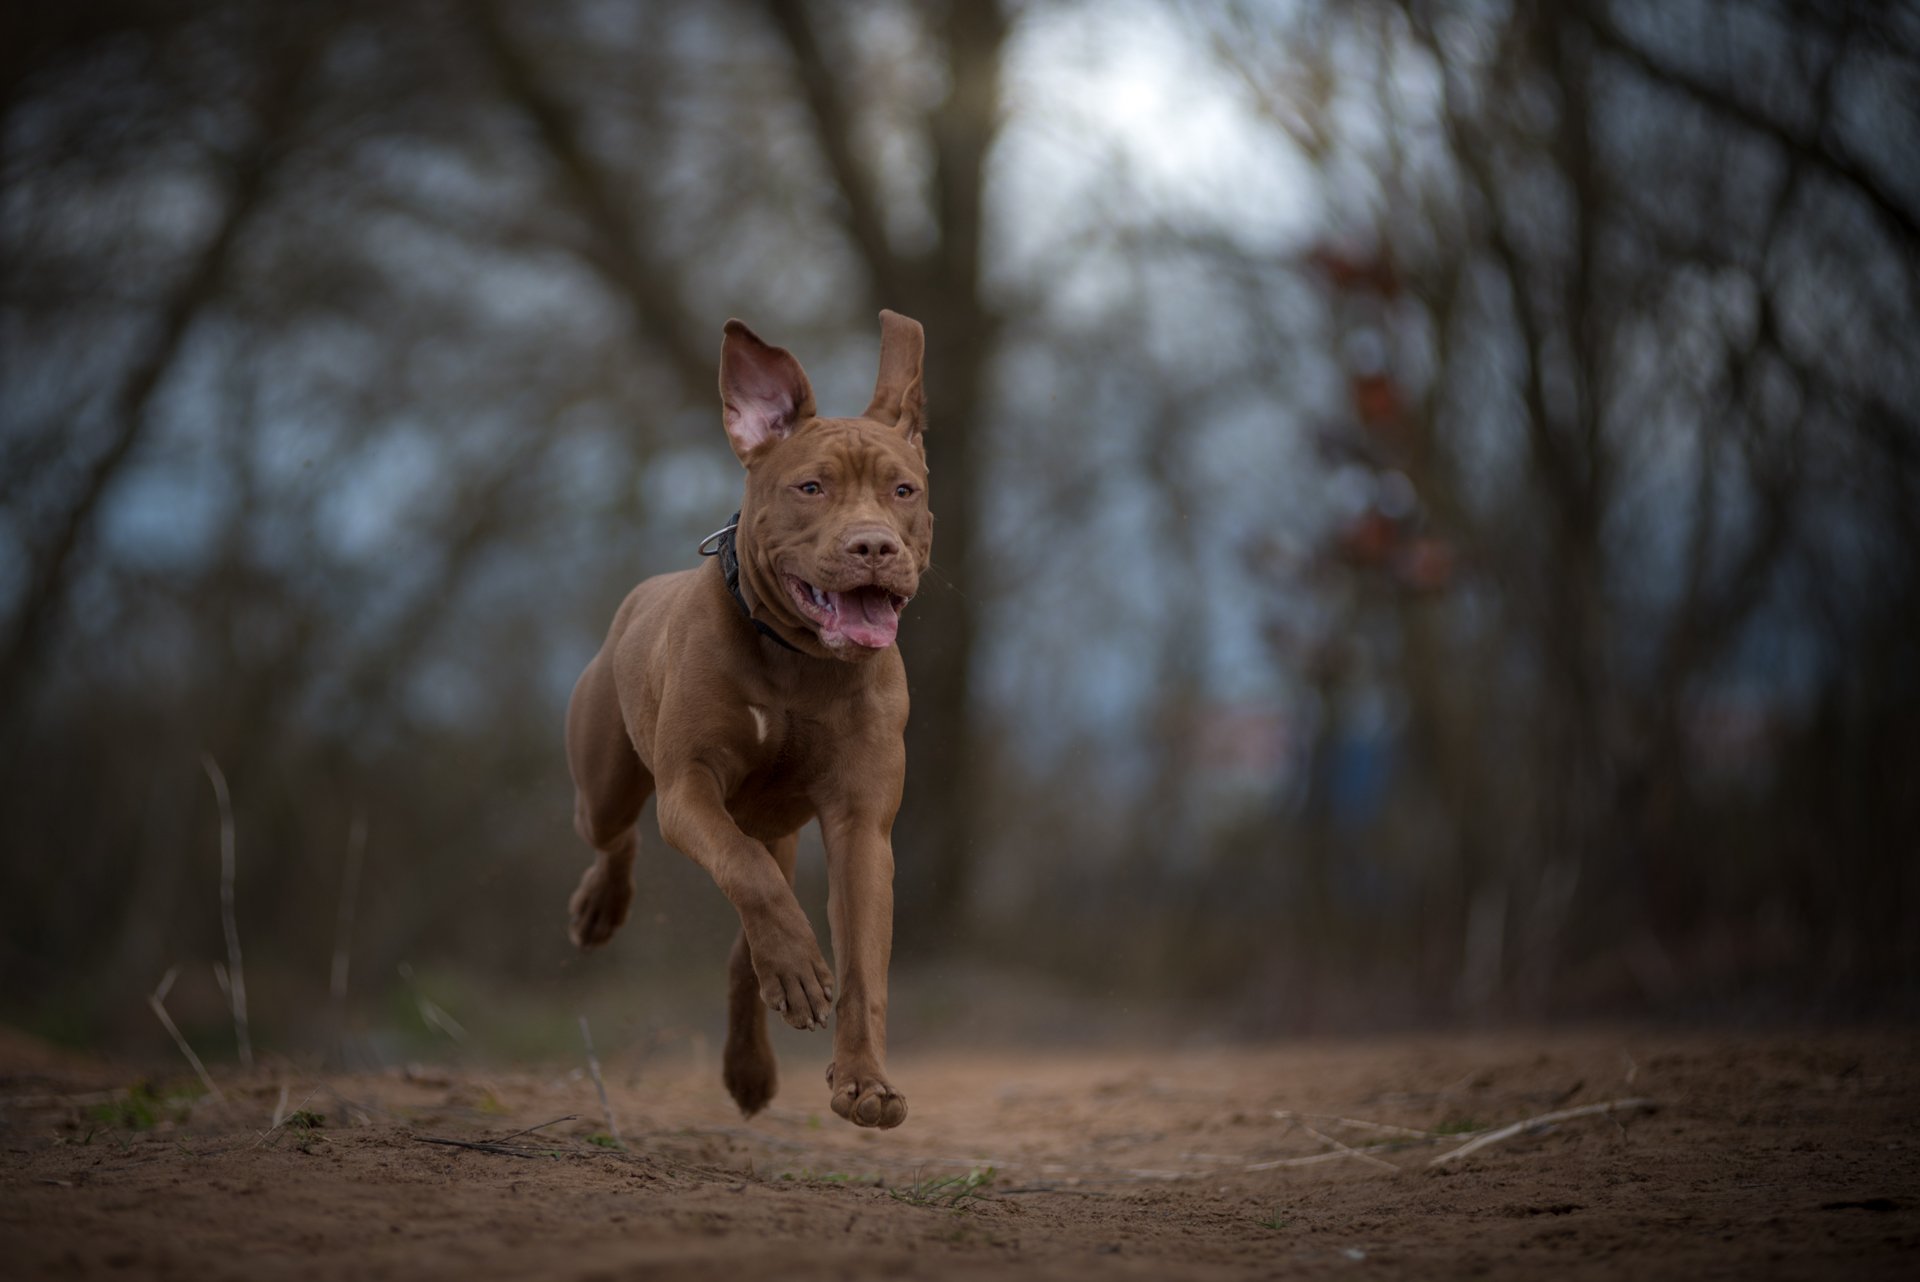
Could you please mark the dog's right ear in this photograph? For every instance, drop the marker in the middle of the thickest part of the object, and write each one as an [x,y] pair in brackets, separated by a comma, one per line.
[899,396]
[764,394]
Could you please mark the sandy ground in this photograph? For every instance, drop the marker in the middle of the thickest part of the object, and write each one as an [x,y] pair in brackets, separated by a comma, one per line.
[1779,1156]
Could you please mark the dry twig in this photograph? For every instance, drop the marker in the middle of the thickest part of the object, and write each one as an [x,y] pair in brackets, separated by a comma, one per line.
[1287,1115]
[593,1066]
[1562,1115]
[1311,1159]
[157,999]
[570,1117]
[483,1146]
[236,979]
[1347,1150]
[432,1014]
[500,1145]
[1411,1135]
[281,1117]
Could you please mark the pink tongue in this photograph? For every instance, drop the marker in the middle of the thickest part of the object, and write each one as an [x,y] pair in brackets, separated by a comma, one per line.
[866,617]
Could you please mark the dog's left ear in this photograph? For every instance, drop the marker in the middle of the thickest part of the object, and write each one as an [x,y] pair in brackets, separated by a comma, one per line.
[899,398]
[764,394]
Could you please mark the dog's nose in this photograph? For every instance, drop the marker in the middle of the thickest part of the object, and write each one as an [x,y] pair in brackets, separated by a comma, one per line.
[871,544]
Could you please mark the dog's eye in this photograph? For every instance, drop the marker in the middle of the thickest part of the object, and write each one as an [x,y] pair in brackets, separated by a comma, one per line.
[808,487]
[904,491]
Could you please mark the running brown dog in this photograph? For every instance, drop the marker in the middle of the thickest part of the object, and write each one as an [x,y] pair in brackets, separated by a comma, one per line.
[765,690]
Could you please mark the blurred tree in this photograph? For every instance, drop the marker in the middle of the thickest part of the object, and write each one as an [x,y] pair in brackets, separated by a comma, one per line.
[843,99]
[424,292]
[1428,494]
[1647,248]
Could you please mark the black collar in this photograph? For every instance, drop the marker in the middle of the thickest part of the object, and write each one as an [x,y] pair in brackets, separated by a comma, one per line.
[721,543]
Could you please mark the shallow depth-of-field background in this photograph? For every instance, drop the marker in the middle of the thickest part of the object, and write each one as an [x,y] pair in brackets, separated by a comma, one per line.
[1429,540]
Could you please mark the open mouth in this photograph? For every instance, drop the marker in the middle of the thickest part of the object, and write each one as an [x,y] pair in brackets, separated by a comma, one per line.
[866,616]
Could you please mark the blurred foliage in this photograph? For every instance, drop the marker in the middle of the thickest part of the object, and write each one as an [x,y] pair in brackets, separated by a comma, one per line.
[1429,495]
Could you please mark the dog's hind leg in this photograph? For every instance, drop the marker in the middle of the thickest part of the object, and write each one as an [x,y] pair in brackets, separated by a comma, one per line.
[748,1066]
[610,785]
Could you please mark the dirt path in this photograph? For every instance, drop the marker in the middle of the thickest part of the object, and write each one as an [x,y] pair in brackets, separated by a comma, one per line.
[1770,1156]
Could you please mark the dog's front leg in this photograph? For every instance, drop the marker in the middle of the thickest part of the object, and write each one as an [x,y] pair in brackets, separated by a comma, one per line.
[860,916]
[794,978]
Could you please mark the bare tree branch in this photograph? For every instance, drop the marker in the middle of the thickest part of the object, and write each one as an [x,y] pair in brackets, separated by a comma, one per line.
[130,412]
[476,520]
[940,817]
[963,129]
[646,284]
[1471,152]
[1823,149]
[833,129]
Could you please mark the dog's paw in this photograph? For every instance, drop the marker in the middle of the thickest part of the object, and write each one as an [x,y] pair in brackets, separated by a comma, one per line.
[748,1070]
[598,907]
[794,978]
[864,1098]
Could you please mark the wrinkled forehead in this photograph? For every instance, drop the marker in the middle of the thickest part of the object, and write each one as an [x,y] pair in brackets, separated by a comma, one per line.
[851,446]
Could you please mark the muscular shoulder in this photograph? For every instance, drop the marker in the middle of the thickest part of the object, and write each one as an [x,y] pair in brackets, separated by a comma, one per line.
[666,624]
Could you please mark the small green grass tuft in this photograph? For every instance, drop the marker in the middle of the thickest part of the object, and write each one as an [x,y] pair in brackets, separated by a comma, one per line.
[605,1140]
[807,1175]
[303,1127]
[948,1191]
[142,1108]
[134,1111]
[1275,1221]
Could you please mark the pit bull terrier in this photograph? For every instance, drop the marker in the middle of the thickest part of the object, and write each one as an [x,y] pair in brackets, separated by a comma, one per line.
[764,690]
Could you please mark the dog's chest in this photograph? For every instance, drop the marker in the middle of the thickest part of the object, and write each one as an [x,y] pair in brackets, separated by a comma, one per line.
[785,757]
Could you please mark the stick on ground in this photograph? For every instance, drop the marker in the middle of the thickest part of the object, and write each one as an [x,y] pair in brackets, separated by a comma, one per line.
[157,999]
[1288,1115]
[593,1066]
[1311,1159]
[500,1145]
[1563,1115]
[236,974]
[1347,1150]
[483,1146]
[570,1117]
[432,1014]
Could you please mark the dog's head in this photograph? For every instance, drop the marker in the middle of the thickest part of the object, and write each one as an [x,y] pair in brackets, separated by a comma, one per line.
[834,530]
